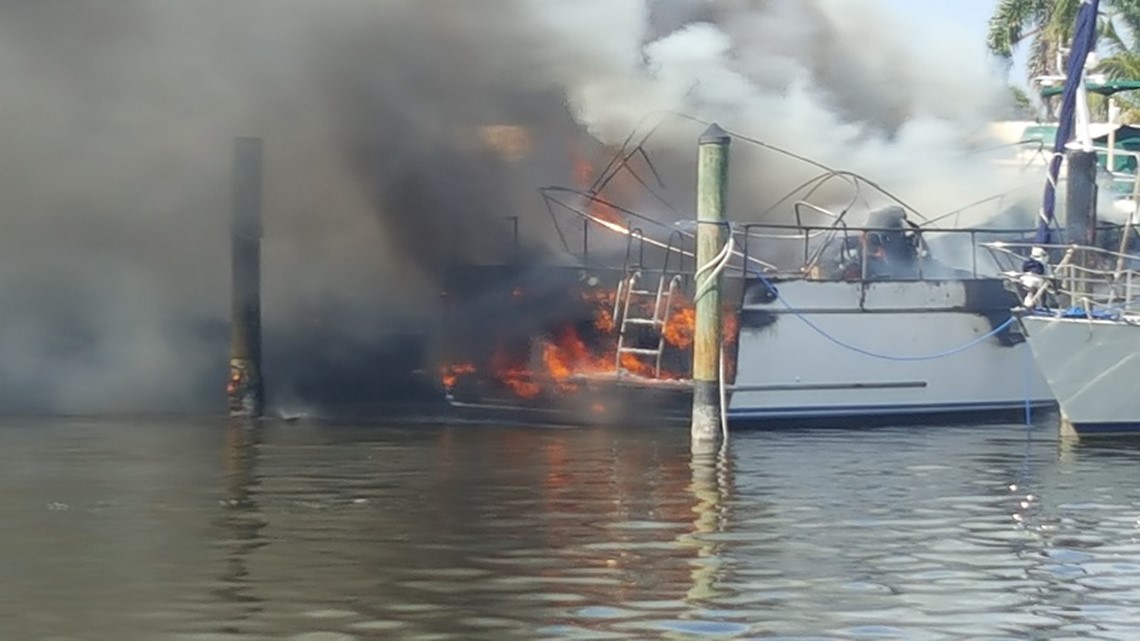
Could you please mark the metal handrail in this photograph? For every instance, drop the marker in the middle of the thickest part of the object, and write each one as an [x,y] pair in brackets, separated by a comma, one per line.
[1076,278]
[670,247]
[810,259]
[660,321]
[624,293]
[635,233]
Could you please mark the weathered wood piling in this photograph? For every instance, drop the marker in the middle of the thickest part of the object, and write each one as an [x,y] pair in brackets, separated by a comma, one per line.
[1080,207]
[1080,198]
[246,388]
[712,192]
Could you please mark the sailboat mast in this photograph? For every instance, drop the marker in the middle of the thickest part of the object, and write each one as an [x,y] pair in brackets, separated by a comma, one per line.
[1074,114]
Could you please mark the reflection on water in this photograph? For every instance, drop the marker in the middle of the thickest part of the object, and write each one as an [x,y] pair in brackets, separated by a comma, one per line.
[209,530]
[240,523]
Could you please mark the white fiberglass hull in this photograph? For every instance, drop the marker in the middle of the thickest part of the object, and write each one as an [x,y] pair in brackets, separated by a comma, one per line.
[1092,367]
[791,364]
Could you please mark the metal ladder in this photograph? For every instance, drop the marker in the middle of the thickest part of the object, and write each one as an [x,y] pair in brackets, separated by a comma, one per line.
[667,286]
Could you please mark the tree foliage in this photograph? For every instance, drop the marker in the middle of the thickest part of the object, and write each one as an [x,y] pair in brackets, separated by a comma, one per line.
[1046,27]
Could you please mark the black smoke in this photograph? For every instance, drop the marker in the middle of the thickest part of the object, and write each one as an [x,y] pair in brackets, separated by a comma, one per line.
[384,127]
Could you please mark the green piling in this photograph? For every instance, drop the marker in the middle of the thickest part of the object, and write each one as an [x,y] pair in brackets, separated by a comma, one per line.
[712,191]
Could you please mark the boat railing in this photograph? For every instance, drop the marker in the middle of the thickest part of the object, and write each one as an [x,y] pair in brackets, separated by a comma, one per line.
[1073,279]
[813,244]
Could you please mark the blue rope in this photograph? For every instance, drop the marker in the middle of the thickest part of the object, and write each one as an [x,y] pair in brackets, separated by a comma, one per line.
[887,357]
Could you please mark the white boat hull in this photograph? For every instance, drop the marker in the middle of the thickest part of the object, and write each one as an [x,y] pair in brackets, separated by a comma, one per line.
[790,365]
[1092,367]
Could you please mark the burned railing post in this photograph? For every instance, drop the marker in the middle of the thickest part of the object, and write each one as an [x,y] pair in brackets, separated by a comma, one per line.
[245,388]
[712,187]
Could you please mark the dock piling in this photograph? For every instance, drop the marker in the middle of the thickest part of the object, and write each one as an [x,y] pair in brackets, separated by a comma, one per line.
[712,188]
[246,389]
[1080,207]
[1080,198]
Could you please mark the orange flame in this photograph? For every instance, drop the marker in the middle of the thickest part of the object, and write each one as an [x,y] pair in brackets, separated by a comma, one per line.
[515,376]
[680,327]
[604,321]
[603,302]
[682,324]
[731,326]
[567,355]
[449,374]
[563,357]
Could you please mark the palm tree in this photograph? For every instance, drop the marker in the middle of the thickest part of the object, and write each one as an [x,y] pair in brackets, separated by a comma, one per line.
[1124,63]
[1020,104]
[1121,35]
[1048,24]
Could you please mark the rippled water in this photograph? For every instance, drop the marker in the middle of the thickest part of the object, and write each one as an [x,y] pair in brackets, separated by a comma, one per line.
[204,530]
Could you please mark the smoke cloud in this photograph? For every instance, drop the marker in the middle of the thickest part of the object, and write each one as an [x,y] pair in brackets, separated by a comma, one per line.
[398,134]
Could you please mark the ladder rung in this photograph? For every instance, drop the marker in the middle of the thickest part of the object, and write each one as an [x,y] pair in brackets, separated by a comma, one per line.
[641,321]
[641,292]
[638,350]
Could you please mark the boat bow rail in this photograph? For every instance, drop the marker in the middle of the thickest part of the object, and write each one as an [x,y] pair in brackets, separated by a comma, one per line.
[1075,281]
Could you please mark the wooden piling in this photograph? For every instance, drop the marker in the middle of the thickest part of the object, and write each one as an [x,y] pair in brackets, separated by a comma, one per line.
[246,388]
[712,187]
[1080,198]
[1080,208]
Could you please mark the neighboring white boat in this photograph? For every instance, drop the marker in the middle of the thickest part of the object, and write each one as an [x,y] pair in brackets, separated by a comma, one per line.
[1080,316]
[1074,353]
[1083,326]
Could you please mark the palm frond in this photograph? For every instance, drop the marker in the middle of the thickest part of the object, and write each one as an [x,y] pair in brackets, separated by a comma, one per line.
[1042,56]
[1126,13]
[1123,65]
[1011,20]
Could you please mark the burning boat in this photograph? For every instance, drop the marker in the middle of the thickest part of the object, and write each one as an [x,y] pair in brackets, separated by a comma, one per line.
[828,321]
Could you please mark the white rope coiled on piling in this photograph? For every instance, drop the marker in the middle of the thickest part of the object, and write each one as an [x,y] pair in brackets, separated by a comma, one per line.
[718,264]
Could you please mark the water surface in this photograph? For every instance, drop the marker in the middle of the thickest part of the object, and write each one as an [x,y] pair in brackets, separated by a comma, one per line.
[134,529]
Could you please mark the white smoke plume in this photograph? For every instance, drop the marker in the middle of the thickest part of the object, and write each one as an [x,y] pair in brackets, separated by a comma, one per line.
[845,83]
[118,120]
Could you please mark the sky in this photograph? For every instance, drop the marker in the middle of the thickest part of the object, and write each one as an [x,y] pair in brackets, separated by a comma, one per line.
[969,18]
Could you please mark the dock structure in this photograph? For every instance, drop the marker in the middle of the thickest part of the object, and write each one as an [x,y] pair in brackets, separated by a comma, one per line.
[712,193]
[245,389]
